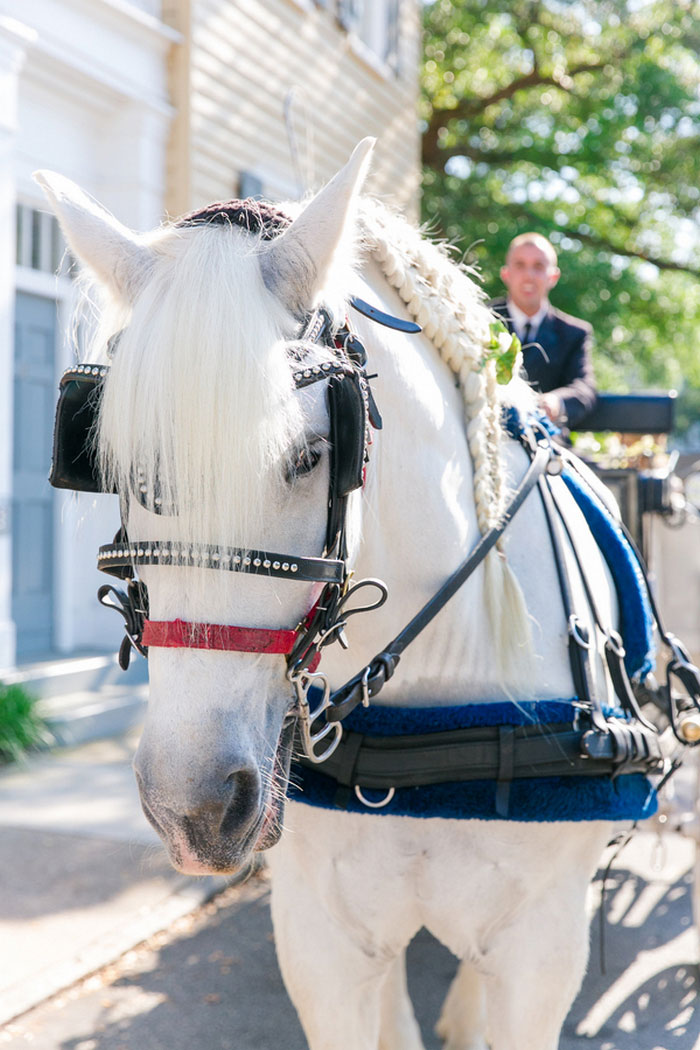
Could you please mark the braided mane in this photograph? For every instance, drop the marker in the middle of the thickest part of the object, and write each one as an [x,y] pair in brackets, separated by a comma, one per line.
[451,309]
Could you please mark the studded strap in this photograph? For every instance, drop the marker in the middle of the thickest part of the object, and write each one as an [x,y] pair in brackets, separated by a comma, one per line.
[306,376]
[119,559]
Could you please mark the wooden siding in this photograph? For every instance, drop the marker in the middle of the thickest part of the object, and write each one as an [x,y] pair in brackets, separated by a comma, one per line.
[229,83]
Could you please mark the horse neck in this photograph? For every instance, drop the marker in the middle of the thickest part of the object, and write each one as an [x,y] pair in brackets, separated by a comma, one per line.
[418,520]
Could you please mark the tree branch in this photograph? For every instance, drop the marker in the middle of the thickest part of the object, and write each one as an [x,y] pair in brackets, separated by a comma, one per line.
[468,108]
[631,253]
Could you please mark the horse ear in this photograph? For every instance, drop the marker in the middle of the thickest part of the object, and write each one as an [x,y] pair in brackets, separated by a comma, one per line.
[297,263]
[113,253]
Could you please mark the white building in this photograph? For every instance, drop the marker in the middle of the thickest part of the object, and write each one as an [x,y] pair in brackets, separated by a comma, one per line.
[83,91]
[155,107]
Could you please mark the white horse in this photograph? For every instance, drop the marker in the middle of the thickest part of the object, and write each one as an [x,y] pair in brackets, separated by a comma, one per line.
[200,400]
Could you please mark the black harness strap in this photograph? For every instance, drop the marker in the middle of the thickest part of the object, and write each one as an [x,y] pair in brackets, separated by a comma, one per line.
[118,559]
[579,642]
[680,667]
[500,753]
[592,746]
[506,768]
[614,646]
[369,681]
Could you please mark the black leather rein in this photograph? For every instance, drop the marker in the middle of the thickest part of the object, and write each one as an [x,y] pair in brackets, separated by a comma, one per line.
[369,681]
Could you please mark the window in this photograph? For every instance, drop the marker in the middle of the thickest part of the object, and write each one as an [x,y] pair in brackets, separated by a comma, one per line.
[376,24]
[249,185]
[40,243]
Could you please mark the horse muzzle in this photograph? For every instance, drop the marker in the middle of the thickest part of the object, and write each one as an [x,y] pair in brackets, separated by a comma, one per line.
[211,825]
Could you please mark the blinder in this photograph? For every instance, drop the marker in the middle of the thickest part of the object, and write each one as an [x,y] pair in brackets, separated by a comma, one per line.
[347,409]
[73,464]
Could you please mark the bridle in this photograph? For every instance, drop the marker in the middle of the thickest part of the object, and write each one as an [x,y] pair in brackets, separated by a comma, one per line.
[352,414]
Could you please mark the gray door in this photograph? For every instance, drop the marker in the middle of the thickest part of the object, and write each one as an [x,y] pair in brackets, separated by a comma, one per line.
[32,507]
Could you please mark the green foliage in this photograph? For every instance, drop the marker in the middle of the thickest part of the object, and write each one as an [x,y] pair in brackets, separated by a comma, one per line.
[581,121]
[21,728]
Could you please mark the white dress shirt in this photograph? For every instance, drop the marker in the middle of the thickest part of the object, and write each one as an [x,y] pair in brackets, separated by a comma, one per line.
[520,319]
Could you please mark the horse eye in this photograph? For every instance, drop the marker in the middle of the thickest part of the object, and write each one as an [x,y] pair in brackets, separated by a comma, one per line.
[304,462]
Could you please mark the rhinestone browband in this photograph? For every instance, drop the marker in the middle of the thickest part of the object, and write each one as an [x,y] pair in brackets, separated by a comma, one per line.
[302,377]
[119,559]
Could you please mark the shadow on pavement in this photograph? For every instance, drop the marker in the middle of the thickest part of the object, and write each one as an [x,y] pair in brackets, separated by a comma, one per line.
[215,983]
[648,996]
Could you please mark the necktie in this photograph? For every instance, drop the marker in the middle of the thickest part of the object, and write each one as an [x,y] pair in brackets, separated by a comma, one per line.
[526,333]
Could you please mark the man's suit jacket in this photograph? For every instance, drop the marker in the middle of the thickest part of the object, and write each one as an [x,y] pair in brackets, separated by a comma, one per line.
[558,359]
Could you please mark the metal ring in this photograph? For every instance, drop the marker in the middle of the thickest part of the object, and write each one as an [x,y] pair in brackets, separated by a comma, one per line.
[375,805]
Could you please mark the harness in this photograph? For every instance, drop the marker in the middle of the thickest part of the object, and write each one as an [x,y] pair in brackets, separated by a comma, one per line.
[598,743]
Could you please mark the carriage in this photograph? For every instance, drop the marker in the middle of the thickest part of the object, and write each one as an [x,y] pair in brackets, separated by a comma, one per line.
[301,412]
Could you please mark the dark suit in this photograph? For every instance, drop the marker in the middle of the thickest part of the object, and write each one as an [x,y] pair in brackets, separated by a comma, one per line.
[558,359]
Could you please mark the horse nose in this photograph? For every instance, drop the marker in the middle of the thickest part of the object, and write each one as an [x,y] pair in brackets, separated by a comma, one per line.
[224,802]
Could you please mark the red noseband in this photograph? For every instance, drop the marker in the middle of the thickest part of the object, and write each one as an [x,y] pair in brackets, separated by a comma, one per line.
[179,634]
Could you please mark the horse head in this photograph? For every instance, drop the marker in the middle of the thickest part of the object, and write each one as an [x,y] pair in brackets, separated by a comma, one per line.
[212,445]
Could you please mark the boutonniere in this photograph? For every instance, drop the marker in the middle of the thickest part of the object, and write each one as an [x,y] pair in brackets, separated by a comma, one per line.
[503,347]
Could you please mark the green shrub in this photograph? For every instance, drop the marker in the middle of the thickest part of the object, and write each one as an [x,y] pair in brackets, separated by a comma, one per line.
[21,728]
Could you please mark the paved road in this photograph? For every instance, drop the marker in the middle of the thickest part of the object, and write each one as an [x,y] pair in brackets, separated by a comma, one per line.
[211,980]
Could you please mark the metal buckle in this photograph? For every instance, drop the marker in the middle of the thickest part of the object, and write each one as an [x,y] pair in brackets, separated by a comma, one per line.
[578,632]
[614,643]
[302,681]
[339,627]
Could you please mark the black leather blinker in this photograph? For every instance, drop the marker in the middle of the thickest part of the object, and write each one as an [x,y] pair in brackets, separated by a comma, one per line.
[73,464]
[348,420]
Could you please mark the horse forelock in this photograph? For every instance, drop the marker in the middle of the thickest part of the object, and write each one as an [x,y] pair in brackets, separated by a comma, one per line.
[199,402]
[253,216]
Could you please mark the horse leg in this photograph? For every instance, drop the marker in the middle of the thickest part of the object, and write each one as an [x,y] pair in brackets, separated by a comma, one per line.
[334,985]
[399,1029]
[462,1022]
[340,934]
[533,970]
[345,996]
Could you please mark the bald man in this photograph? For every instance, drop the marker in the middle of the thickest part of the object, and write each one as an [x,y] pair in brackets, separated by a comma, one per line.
[556,347]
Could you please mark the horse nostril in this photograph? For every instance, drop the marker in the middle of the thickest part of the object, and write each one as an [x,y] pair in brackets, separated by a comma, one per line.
[243,802]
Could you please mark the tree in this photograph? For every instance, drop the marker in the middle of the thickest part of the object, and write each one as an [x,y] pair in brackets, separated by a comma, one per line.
[580,120]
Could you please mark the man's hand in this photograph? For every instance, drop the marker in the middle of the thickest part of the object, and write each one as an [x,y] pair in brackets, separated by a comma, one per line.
[552,407]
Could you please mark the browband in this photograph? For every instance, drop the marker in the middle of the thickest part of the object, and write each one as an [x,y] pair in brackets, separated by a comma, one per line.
[117,559]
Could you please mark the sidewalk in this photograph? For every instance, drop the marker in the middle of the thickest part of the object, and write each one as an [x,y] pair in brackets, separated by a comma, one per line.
[83,875]
[84,881]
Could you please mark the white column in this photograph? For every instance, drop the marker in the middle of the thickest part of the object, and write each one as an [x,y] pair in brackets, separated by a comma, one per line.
[15,38]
